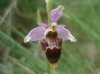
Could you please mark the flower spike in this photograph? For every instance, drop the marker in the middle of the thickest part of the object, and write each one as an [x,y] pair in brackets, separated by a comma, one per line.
[51,36]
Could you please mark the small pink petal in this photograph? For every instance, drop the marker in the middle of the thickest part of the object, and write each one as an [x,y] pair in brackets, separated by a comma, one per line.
[56,13]
[65,34]
[35,34]
[41,24]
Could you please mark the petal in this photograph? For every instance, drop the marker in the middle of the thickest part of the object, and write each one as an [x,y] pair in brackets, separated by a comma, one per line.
[65,34]
[35,34]
[56,13]
[43,25]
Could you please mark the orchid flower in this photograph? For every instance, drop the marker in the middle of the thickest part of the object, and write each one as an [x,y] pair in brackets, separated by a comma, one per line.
[51,35]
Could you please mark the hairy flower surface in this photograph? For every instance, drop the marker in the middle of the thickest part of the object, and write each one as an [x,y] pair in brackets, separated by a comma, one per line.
[51,35]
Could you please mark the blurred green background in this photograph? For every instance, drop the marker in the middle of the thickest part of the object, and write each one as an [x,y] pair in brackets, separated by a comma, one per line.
[18,17]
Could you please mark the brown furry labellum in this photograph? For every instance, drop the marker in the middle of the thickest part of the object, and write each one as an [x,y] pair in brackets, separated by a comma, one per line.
[52,46]
[53,54]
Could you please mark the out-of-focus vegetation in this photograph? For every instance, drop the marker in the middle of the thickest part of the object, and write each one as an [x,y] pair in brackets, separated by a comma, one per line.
[18,17]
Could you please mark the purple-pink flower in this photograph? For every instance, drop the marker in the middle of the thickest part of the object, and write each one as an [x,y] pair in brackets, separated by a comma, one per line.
[51,35]
[38,32]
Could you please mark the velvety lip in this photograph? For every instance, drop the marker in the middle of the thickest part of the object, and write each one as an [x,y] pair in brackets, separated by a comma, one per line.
[52,36]
[53,54]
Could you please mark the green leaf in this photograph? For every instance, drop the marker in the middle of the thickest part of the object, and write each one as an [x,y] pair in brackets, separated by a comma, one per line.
[39,16]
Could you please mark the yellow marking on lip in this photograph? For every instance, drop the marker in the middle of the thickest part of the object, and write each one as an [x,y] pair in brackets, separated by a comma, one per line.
[53,66]
[52,28]
[52,36]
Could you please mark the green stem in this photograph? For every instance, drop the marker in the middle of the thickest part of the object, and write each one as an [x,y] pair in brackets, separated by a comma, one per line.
[48,19]
[49,70]
[49,7]
[49,4]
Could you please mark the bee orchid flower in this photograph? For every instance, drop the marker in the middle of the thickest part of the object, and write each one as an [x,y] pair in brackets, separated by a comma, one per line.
[51,35]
